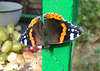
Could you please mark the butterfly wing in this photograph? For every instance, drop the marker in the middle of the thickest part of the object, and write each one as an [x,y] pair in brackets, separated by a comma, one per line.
[60,31]
[52,22]
[69,31]
[53,29]
[32,35]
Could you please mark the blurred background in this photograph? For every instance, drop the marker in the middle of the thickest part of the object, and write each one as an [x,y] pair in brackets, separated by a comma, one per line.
[87,47]
[30,6]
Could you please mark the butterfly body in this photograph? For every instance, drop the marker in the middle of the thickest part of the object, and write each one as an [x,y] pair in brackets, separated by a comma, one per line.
[55,30]
[45,37]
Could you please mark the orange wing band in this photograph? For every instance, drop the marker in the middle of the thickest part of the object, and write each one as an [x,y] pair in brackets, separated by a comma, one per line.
[31,38]
[53,15]
[34,21]
[63,34]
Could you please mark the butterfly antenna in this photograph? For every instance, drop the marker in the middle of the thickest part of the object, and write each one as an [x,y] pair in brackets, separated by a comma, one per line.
[37,11]
[53,56]
[39,14]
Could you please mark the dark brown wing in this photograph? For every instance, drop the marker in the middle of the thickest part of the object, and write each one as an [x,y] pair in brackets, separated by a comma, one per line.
[60,31]
[54,29]
[32,35]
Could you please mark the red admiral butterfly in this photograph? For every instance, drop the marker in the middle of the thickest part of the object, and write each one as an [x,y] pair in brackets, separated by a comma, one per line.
[55,30]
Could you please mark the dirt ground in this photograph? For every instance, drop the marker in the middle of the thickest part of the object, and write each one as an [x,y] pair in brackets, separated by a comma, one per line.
[85,58]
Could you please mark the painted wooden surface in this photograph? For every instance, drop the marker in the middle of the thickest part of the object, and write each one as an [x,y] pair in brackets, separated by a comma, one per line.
[59,57]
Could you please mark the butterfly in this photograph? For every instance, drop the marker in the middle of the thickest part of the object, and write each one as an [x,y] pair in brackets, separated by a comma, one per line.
[55,30]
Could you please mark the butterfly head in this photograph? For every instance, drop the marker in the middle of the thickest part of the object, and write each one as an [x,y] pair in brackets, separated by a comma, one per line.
[46,47]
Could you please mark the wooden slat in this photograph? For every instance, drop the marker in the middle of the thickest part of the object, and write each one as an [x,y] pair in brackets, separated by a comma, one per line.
[34,11]
[35,1]
[25,6]
[35,5]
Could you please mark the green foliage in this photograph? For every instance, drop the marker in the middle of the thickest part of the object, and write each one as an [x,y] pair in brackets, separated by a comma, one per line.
[89,20]
[89,17]
[97,51]
[89,63]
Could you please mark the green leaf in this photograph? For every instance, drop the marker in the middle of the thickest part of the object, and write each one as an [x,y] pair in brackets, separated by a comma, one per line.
[97,50]
[88,50]
[88,58]
[85,63]
[96,56]
[98,65]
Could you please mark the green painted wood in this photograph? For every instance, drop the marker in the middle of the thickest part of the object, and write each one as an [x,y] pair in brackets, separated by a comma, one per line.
[59,57]
[28,16]
[74,21]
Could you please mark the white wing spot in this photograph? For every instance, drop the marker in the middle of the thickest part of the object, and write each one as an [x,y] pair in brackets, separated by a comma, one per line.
[25,42]
[21,42]
[78,35]
[27,35]
[78,32]
[68,29]
[72,30]
[71,36]
[24,36]
[75,30]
